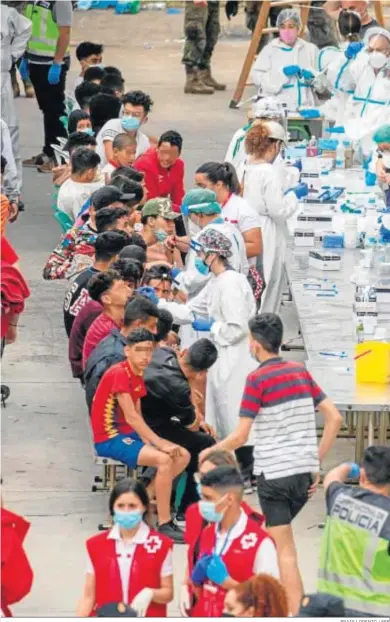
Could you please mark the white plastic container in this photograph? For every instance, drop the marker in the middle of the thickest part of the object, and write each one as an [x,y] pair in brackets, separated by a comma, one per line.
[350,231]
[340,155]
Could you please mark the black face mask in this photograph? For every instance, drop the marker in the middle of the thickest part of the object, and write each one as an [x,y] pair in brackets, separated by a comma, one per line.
[228,615]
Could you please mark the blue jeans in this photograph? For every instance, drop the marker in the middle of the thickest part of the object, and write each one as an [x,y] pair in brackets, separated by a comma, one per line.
[123,447]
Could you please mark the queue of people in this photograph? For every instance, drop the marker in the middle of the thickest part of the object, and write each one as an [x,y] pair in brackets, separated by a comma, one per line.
[172,316]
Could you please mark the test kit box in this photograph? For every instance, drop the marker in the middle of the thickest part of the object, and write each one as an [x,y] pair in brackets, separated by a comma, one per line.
[303,237]
[324,261]
[315,221]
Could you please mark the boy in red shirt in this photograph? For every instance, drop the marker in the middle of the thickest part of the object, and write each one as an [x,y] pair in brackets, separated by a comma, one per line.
[120,432]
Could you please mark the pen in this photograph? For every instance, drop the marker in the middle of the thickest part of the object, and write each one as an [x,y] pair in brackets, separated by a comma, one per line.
[341,355]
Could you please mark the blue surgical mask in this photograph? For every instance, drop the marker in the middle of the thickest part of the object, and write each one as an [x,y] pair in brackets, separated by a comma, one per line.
[89,131]
[130,124]
[128,520]
[199,489]
[201,266]
[161,235]
[209,513]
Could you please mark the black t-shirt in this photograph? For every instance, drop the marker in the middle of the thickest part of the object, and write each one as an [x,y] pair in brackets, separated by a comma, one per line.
[76,297]
[363,29]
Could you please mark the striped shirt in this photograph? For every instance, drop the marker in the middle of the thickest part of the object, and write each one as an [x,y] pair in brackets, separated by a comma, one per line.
[281,397]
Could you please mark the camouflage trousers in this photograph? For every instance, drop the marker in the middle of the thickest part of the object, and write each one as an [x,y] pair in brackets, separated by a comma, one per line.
[201,29]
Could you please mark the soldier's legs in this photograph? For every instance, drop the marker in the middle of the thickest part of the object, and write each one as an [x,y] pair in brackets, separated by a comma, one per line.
[195,20]
[213,29]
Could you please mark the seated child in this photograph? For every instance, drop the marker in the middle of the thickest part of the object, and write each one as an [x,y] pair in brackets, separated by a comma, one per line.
[84,93]
[124,148]
[88,54]
[83,181]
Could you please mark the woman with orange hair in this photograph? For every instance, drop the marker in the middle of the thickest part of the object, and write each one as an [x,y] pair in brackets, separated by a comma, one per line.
[262,596]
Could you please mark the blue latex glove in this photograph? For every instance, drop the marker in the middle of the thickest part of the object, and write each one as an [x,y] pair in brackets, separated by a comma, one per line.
[291,70]
[217,571]
[174,272]
[307,74]
[184,210]
[301,190]
[199,573]
[201,324]
[54,74]
[370,178]
[337,129]
[148,292]
[310,113]
[23,69]
[353,49]
[354,470]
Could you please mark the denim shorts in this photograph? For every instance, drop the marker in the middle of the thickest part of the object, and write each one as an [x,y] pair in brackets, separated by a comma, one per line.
[123,447]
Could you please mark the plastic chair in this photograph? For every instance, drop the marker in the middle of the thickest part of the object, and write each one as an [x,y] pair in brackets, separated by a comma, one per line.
[64,220]
[54,198]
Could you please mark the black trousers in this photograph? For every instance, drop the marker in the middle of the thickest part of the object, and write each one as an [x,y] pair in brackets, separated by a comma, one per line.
[51,101]
[194,442]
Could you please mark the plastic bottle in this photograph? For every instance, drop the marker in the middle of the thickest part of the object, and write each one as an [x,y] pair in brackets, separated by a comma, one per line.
[350,231]
[312,148]
[360,331]
[340,155]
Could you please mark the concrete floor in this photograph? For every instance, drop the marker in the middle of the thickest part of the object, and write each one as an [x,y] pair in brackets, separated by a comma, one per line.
[47,464]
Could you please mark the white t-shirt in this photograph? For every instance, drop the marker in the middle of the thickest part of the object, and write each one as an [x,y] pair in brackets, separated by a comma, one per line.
[108,170]
[73,194]
[125,555]
[112,128]
[240,214]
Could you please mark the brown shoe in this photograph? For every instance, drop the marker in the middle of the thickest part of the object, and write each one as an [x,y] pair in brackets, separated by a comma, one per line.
[207,79]
[48,166]
[28,89]
[35,161]
[195,87]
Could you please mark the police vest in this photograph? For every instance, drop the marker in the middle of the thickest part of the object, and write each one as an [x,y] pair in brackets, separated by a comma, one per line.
[355,553]
[45,32]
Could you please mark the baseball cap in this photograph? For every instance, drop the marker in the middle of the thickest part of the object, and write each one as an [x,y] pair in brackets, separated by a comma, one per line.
[159,207]
[277,131]
[321,606]
[107,195]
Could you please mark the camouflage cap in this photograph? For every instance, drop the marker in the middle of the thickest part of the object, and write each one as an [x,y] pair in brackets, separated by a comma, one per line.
[159,207]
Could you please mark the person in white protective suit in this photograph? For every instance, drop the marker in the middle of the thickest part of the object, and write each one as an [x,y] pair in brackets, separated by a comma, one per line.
[286,67]
[202,208]
[10,178]
[264,192]
[336,76]
[230,305]
[15,33]
[369,107]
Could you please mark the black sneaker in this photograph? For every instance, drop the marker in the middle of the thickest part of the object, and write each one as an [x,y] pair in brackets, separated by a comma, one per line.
[172,531]
[180,517]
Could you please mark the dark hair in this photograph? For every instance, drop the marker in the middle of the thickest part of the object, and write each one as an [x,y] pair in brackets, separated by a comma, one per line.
[221,457]
[267,329]
[128,485]
[84,159]
[101,282]
[109,244]
[112,70]
[84,93]
[138,336]
[129,172]
[86,48]
[224,172]
[376,463]
[103,107]
[107,217]
[164,324]
[121,141]
[112,82]
[3,164]
[265,594]
[133,251]
[129,269]
[93,73]
[139,308]
[138,98]
[137,240]
[161,273]
[79,139]
[73,119]
[173,138]
[223,477]
[128,186]
[201,355]
[350,25]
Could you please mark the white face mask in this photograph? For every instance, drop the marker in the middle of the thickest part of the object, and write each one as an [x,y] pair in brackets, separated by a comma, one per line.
[377,60]
[386,159]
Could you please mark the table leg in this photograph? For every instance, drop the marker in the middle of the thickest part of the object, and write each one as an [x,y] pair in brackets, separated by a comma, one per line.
[359,447]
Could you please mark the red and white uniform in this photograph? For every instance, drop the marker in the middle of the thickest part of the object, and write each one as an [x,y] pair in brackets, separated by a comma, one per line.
[122,570]
[16,573]
[246,550]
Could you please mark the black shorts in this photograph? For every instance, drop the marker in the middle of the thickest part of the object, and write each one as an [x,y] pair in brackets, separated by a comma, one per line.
[281,499]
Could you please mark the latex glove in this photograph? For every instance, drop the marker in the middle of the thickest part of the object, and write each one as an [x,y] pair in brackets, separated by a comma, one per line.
[201,324]
[217,571]
[54,74]
[199,573]
[370,178]
[301,190]
[23,69]
[148,292]
[307,74]
[175,272]
[310,113]
[291,70]
[185,601]
[142,601]
[354,470]
[337,129]
[231,9]
[353,49]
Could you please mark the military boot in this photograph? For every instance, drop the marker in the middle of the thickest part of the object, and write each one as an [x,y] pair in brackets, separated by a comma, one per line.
[28,88]
[14,81]
[207,79]
[195,87]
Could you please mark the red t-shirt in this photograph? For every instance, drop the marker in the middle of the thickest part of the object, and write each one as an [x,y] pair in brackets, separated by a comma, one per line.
[107,418]
[162,182]
[7,252]
[99,330]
